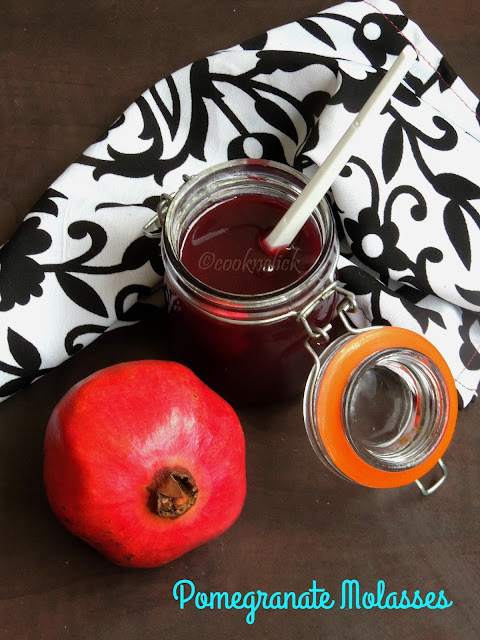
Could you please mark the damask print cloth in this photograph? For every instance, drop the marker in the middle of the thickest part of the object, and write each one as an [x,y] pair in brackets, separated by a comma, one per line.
[407,203]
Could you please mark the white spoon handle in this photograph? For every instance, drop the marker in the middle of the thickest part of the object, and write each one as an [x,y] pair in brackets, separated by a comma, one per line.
[293,220]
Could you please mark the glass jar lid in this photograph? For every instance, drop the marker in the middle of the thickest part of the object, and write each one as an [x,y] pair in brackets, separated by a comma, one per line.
[381,406]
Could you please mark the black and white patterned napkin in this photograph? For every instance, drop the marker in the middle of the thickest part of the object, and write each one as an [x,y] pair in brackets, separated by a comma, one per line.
[408,201]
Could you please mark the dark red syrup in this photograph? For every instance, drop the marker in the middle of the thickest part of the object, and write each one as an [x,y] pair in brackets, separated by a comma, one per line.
[223,248]
[252,362]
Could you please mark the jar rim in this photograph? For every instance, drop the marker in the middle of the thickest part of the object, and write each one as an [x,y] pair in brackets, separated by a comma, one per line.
[250,302]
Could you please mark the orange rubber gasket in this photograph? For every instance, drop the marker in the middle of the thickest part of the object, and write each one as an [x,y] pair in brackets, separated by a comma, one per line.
[329,406]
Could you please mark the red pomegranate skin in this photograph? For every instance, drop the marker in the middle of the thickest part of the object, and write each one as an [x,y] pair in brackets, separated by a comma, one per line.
[116,431]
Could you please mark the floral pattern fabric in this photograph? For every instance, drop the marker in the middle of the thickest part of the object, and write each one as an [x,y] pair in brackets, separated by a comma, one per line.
[407,203]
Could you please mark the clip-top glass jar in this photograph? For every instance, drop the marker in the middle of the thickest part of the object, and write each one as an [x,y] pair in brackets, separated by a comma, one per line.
[379,404]
[249,348]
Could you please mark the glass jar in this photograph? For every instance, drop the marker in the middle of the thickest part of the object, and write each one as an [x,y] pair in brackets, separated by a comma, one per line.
[380,404]
[249,348]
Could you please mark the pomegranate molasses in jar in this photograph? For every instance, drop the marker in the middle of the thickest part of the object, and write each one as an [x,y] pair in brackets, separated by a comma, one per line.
[234,308]
[380,403]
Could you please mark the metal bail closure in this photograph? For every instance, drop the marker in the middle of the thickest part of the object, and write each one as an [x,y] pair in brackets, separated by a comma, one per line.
[438,483]
[154,227]
[380,407]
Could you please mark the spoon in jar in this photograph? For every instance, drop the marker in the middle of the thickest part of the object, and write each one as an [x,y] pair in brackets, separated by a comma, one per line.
[283,234]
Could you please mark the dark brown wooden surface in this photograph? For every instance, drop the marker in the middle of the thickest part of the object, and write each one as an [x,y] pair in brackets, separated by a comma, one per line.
[67,70]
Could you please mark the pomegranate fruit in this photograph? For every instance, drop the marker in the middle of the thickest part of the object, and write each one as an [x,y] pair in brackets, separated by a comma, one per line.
[144,462]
